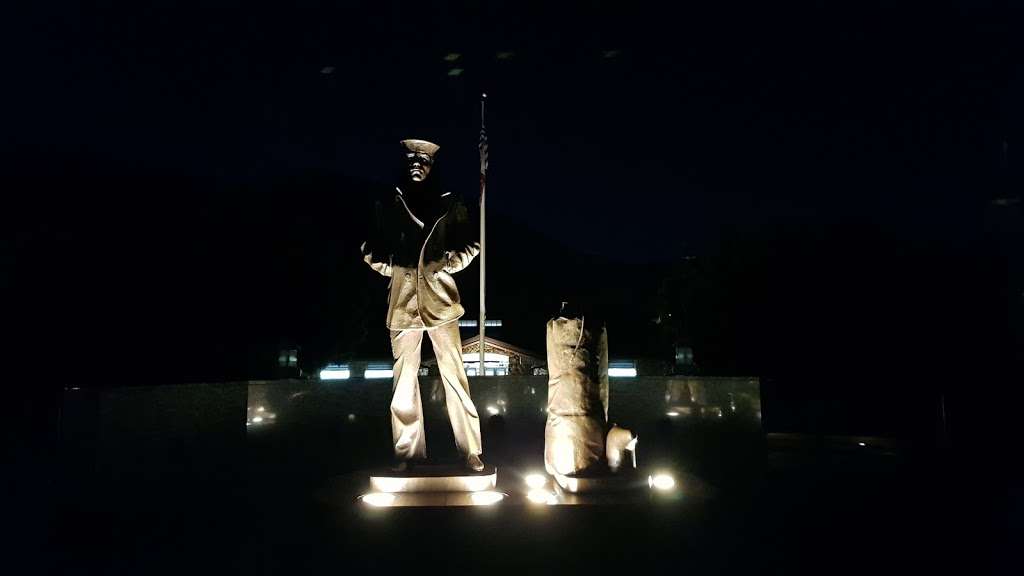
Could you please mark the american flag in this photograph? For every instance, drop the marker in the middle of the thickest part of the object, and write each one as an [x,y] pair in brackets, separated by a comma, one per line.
[483,141]
[483,150]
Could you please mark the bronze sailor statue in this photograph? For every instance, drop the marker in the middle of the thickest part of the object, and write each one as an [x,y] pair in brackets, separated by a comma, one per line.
[419,242]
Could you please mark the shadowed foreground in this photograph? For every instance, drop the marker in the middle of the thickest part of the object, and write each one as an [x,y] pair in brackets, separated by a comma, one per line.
[210,496]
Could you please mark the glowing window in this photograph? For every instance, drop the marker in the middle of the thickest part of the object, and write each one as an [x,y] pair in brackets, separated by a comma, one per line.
[379,371]
[622,369]
[474,323]
[335,372]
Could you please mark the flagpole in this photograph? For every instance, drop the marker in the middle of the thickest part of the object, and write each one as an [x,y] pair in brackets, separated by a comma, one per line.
[483,235]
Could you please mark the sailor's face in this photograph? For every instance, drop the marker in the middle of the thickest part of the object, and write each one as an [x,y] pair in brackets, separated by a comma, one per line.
[418,165]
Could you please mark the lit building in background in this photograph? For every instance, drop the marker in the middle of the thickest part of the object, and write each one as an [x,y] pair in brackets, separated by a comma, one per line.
[494,364]
[500,358]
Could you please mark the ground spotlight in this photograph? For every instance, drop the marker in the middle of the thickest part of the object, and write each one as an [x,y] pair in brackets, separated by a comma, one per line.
[661,481]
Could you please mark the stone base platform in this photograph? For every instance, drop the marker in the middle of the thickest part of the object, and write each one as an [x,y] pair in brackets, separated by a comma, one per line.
[431,478]
[433,499]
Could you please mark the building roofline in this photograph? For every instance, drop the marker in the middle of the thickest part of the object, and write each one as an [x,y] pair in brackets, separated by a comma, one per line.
[502,344]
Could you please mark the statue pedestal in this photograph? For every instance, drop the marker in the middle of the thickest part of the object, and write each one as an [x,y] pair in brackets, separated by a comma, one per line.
[436,485]
[434,478]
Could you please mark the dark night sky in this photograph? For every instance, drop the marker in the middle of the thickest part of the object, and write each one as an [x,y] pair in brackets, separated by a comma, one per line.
[188,185]
[717,115]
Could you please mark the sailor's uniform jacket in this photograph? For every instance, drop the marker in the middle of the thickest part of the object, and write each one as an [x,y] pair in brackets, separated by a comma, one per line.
[420,256]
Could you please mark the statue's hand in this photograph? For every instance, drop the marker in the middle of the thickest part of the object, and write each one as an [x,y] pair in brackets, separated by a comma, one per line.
[383,268]
[457,260]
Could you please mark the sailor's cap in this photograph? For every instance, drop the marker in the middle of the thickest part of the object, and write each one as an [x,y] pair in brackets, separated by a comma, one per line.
[421,147]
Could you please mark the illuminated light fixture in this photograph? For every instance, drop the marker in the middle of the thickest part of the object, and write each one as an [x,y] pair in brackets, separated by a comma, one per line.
[487,498]
[248,423]
[327,70]
[861,444]
[335,373]
[663,482]
[452,56]
[378,499]
[672,414]
[377,373]
[536,480]
[351,417]
[492,410]
[258,419]
[505,55]
[261,409]
[541,496]
[455,72]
